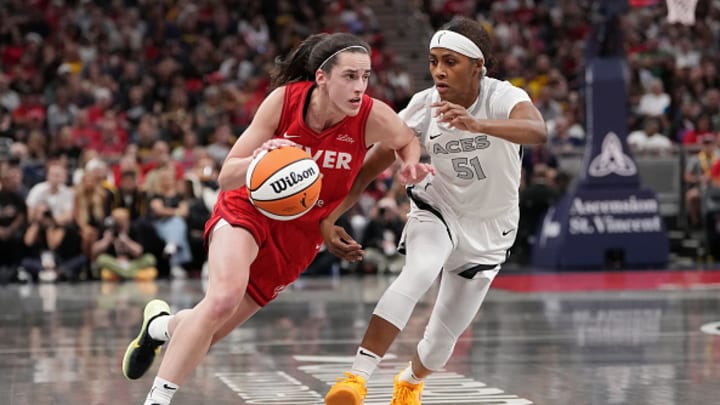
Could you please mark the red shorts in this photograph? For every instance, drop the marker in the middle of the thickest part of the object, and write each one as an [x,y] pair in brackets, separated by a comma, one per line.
[286,248]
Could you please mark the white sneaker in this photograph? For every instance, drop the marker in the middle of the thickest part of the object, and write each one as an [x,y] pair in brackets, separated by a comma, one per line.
[47,276]
[22,275]
[170,249]
[178,273]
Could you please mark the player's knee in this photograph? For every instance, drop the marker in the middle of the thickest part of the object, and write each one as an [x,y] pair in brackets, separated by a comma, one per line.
[395,307]
[435,350]
[222,304]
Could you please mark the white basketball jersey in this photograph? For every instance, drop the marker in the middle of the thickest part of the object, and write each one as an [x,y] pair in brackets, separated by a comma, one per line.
[478,175]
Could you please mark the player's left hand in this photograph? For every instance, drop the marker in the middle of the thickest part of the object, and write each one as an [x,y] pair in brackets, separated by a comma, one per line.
[414,173]
[455,116]
[340,243]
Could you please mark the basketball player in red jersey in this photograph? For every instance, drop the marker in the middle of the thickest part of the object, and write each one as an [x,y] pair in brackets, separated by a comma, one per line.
[318,104]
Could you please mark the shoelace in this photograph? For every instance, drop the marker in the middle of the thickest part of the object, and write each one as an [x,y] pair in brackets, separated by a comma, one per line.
[353,380]
[407,393]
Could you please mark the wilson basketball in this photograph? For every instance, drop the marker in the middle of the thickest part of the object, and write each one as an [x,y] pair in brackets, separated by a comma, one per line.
[284,183]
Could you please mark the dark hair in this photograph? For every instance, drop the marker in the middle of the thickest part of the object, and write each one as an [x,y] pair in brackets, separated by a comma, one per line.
[474,31]
[315,50]
[128,174]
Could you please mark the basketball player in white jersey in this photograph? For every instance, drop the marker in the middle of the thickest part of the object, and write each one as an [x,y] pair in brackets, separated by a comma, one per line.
[463,219]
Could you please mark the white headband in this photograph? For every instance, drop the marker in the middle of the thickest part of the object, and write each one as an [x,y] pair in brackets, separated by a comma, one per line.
[341,50]
[456,42]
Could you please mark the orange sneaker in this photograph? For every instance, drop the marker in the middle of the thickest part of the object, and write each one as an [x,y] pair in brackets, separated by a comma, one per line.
[350,390]
[146,274]
[108,275]
[405,393]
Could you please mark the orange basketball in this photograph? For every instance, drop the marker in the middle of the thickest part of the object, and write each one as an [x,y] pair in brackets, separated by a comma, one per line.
[284,183]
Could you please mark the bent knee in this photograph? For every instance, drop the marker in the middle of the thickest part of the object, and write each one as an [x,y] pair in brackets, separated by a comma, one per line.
[222,305]
[435,353]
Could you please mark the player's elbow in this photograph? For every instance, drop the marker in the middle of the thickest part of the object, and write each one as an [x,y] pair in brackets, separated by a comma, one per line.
[228,182]
[539,132]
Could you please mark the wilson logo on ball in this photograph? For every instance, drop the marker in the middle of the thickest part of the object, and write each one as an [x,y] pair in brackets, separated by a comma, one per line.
[284,183]
[293,179]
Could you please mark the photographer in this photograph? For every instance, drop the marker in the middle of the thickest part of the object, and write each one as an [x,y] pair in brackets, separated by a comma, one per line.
[53,250]
[120,253]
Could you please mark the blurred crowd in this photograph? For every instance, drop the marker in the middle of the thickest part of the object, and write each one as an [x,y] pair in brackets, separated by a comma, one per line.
[115,116]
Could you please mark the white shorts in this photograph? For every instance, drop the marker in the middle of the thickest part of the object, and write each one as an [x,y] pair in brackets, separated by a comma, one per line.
[475,241]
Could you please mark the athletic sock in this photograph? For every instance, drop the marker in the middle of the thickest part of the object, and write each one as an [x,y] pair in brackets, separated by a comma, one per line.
[158,328]
[161,392]
[407,375]
[365,363]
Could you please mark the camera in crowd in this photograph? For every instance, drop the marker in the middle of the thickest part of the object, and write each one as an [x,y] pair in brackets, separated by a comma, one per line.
[46,219]
[110,224]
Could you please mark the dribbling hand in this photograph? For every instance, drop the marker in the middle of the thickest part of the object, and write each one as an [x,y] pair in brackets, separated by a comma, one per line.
[340,243]
[272,144]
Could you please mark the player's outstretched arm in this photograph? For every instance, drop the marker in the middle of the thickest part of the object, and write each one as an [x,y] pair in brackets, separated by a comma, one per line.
[525,124]
[385,127]
[389,137]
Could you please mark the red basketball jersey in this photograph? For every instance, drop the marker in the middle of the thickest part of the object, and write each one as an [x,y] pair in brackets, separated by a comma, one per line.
[288,247]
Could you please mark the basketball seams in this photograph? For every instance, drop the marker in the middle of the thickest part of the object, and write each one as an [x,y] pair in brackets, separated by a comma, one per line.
[268,206]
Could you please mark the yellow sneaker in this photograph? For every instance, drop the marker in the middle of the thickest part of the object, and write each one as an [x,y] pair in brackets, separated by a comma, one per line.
[108,275]
[350,390]
[141,352]
[405,393]
[146,274]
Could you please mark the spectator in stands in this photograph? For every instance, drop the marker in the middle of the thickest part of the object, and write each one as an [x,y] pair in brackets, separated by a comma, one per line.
[168,210]
[547,105]
[61,112]
[161,159]
[712,106]
[198,214]
[130,197]
[145,136]
[204,180]
[51,251]
[381,237]
[565,137]
[91,207]
[111,141]
[53,194]
[649,139]
[683,120]
[697,176]
[12,223]
[63,145]
[655,101]
[211,109]
[120,252]
[9,98]
[702,130]
[222,141]
[535,199]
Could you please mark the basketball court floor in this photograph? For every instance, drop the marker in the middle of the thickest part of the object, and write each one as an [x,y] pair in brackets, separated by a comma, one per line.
[590,338]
